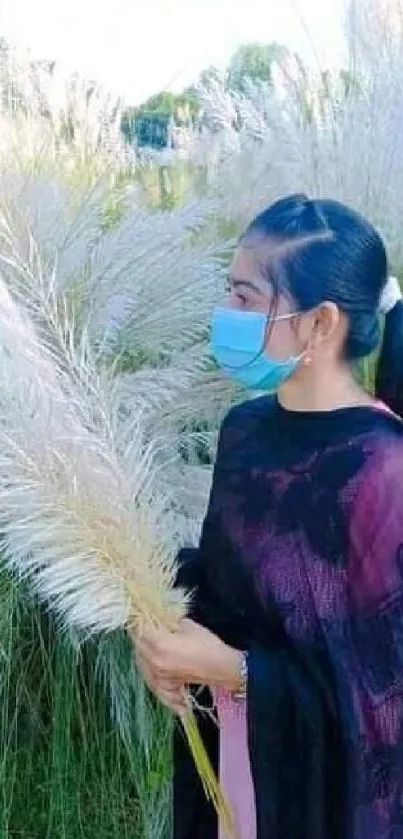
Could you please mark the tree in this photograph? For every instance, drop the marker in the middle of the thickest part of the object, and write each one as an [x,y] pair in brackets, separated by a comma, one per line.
[150,122]
[253,62]
[187,106]
[128,124]
[162,104]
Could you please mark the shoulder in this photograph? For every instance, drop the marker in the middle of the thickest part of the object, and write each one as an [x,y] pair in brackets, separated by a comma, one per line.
[385,442]
[376,520]
[249,410]
[243,419]
[381,479]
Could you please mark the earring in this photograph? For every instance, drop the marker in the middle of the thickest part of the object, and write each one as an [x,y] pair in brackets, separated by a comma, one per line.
[307,360]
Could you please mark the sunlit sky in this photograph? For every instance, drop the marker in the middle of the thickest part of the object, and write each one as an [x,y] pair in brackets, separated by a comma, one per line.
[138,47]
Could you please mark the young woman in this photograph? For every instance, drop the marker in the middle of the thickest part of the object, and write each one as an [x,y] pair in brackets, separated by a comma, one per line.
[297,627]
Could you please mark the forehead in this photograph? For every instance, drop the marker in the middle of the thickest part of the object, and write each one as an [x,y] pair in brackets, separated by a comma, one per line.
[250,271]
[247,264]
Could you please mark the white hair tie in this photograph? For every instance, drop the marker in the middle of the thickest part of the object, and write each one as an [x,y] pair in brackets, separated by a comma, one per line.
[390,296]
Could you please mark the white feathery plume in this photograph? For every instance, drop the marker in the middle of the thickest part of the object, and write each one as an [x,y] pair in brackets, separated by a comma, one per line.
[71,516]
[79,514]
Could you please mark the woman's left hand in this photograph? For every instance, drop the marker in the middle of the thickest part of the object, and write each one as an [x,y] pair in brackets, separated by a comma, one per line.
[191,655]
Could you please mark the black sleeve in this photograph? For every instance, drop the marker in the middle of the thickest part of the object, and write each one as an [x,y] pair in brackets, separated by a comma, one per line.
[189,559]
[188,567]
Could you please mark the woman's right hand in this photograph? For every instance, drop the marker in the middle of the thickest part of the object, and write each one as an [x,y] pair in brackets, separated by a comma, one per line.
[171,693]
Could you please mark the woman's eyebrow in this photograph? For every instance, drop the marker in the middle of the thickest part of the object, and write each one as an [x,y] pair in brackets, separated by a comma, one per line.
[236,282]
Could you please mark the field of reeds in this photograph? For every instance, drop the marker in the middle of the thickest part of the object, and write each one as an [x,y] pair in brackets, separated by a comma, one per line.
[84,751]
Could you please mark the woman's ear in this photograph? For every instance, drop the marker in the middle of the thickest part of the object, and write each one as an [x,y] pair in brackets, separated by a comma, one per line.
[327,326]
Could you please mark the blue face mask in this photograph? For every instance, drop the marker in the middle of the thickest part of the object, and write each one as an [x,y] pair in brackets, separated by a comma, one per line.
[237,343]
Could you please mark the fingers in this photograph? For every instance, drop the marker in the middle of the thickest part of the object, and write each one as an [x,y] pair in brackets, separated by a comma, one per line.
[172,693]
[159,651]
[173,698]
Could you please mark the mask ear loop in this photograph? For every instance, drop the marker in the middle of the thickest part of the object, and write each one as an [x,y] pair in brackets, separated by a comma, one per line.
[304,352]
[269,319]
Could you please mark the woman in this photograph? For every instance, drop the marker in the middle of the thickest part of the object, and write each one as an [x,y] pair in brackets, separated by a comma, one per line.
[297,628]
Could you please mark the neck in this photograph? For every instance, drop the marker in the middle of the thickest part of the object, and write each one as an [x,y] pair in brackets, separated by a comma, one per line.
[322,389]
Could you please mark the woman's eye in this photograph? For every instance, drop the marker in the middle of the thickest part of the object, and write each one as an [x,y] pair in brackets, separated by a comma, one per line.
[242,299]
[236,295]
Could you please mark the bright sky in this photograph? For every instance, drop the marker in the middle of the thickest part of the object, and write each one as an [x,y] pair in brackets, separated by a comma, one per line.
[139,47]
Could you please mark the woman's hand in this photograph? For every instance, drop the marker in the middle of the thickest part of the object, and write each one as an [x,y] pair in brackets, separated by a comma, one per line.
[171,692]
[192,655]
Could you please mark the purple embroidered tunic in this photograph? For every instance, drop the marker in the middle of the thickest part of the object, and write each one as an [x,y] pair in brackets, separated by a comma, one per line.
[305,521]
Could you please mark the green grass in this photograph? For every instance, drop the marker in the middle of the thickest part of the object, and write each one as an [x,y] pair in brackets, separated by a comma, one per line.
[67,771]
[167,187]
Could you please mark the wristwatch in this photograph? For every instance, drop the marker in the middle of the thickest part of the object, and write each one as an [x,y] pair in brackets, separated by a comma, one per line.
[241,693]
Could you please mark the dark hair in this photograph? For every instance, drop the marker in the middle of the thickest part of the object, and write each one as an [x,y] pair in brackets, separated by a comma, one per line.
[323,250]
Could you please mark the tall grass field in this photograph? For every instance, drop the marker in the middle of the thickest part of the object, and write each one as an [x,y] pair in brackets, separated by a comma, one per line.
[85,752]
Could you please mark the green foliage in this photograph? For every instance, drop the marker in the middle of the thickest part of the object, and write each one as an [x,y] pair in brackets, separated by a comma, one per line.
[167,187]
[155,111]
[153,129]
[253,62]
[162,103]
[128,124]
[153,116]
[187,103]
[115,207]
[66,770]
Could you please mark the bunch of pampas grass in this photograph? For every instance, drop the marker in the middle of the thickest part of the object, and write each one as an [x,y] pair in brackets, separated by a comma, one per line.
[80,515]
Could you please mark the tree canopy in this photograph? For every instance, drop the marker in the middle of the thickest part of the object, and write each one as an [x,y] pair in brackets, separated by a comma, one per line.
[253,61]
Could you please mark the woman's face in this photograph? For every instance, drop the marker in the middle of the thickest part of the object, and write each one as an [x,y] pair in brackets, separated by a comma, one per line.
[249,291]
